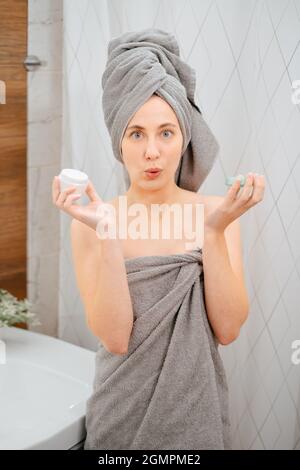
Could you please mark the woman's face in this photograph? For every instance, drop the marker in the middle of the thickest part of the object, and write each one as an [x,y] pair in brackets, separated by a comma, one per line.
[146,143]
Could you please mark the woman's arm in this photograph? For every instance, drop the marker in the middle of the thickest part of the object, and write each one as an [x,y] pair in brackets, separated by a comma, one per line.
[225,292]
[224,286]
[102,282]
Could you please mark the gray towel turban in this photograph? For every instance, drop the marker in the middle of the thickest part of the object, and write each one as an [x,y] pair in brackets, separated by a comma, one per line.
[144,63]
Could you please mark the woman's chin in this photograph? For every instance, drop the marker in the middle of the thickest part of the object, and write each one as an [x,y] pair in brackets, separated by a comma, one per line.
[155,183]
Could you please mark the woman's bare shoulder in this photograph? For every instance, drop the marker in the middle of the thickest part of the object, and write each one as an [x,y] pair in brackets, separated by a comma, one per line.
[214,199]
[210,202]
[206,199]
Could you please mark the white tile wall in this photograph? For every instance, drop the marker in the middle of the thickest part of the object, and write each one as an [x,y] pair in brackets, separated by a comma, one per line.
[44,98]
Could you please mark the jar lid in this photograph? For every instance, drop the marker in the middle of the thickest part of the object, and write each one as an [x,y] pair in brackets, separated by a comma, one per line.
[70,175]
[231,179]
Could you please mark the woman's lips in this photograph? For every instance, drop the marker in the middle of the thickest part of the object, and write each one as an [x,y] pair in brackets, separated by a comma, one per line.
[153,174]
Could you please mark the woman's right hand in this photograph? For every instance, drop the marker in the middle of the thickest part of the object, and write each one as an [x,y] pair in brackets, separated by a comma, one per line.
[94,213]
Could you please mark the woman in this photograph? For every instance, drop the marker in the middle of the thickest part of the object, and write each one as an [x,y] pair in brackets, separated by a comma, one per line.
[160,310]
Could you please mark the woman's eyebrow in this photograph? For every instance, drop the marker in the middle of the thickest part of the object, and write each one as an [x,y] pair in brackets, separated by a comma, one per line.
[137,126]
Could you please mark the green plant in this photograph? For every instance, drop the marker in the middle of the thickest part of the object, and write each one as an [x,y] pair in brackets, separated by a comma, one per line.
[14,311]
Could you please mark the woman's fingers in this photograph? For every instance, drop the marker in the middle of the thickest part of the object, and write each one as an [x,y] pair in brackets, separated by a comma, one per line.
[233,194]
[64,200]
[63,196]
[60,197]
[233,190]
[250,195]
[55,188]
[253,190]
[69,200]
[259,188]
[92,193]
[247,190]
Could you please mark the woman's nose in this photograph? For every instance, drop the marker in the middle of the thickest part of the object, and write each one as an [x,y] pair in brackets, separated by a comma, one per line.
[152,150]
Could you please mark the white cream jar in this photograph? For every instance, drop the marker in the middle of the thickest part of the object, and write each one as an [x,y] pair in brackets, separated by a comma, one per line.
[71,177]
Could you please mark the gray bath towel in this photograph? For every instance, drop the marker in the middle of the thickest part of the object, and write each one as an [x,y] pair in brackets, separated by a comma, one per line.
[169,391]
[142,63]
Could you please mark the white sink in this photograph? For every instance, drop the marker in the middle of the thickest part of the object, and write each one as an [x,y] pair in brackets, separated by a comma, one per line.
[44,385]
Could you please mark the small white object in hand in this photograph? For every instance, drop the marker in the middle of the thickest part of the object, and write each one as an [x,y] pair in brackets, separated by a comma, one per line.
[71,177]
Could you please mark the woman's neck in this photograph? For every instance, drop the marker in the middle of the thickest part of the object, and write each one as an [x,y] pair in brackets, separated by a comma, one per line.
[164,196]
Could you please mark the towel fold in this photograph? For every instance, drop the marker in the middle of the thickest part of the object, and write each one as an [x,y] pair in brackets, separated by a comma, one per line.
[170,390]
[147,62]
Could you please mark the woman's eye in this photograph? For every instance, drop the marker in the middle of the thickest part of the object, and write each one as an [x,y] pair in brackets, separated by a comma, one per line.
[136,132]
[168,131]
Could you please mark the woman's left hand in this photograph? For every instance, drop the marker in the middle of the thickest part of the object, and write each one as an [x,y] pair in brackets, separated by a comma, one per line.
[234,205]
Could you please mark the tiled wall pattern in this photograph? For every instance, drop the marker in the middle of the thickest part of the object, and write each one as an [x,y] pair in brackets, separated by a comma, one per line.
[44,95]
[246,55]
